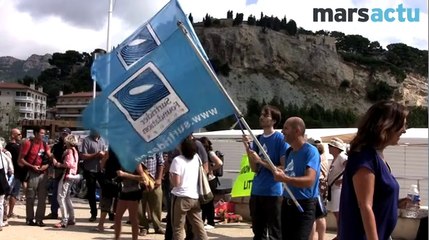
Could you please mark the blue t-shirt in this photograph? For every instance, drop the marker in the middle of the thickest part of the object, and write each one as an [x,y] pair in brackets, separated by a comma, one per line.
[297,163]
[263,183]
[385,200]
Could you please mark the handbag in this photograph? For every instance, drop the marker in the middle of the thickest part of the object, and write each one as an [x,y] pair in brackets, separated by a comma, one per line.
[205,194]
[4,185]
[149,181]
[328,196]
[321,211]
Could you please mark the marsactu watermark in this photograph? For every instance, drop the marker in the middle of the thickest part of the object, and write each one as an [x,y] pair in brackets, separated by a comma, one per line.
[398,14]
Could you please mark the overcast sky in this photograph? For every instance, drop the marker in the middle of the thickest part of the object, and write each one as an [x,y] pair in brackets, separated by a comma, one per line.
[47,26]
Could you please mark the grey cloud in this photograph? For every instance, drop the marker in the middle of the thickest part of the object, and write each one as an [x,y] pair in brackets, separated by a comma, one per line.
[91,14]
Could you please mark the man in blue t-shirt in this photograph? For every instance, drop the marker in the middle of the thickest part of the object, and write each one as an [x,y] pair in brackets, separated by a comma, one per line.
[301,174]
[266,195]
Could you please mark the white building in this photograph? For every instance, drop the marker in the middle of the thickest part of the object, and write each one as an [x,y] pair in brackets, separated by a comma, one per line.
[408,160]
[26,101]
[70,106]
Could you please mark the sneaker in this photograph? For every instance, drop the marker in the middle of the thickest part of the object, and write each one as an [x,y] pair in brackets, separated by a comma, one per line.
[51,216]
[92,219]
[71,222]
[5,224]
[160,231]
[60,225]
[40,224]
[208,227]
[30,223]
[143,232]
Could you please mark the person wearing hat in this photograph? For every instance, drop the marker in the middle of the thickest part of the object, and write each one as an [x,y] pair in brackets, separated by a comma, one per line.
[337,149]
[57,150]
[319,226]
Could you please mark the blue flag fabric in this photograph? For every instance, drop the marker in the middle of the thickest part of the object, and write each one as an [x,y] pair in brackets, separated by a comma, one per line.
[144,40]
[160,93]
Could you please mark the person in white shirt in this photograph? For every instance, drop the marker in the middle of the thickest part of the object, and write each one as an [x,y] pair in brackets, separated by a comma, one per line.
[337,149]
[184,171]
[6,171]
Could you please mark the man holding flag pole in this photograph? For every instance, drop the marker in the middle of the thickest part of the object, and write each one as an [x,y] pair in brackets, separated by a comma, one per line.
[266,194]
[301,174]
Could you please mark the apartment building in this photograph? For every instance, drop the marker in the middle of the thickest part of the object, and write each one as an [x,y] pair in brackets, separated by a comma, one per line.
[18,102]
[70,106]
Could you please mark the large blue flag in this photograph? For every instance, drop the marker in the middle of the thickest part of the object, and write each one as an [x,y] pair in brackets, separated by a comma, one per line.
[144,40]
[159,93]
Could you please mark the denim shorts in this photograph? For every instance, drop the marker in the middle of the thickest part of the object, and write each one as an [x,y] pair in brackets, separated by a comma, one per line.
[15,188]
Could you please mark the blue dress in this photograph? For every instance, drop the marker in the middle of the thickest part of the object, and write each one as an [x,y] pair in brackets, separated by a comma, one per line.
[385,202]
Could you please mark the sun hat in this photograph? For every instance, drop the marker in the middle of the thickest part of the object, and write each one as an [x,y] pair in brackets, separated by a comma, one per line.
[314,140]
[337,143]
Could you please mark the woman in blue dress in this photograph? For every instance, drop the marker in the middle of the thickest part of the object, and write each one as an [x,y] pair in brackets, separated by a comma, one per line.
[369,198]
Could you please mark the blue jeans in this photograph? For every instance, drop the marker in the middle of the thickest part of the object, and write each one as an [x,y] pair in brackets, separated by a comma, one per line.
[53,198]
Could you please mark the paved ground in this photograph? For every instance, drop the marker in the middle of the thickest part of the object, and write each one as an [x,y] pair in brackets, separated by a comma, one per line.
[83,229]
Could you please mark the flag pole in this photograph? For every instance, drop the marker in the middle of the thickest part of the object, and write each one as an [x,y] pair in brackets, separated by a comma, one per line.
[109,17]
[238,112]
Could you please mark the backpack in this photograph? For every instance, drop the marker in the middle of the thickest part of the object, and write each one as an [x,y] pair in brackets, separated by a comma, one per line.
[219,172]
[45,160]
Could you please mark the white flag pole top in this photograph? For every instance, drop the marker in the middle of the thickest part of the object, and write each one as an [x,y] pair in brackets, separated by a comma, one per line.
[238,112]
[109,17]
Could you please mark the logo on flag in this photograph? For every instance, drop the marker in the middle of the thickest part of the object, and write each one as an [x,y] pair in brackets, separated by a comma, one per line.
[138,46]
[148,102]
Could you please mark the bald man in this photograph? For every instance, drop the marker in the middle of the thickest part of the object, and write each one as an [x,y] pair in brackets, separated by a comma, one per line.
[301,175]
[13,147]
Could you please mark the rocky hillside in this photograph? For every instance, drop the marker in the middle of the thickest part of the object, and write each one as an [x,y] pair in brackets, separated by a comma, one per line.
[12,69]
[297,70]
[302,70]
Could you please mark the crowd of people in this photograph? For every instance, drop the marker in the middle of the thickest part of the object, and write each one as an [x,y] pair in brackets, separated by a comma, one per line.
[291,192]
[31,166]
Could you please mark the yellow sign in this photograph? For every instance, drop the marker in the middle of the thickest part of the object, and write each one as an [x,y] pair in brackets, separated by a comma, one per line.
[243,183]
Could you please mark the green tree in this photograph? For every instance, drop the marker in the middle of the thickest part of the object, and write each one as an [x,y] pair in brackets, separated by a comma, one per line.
[354,44]
[418,117]
[27,80]
[191,19]
[253,112]
[229,14]
[207,21]
[251,20]
[291,27]
[238,19]
[379,91]
[409,58]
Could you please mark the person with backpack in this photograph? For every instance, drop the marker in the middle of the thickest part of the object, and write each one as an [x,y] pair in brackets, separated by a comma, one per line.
[215,163]
[35,156]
